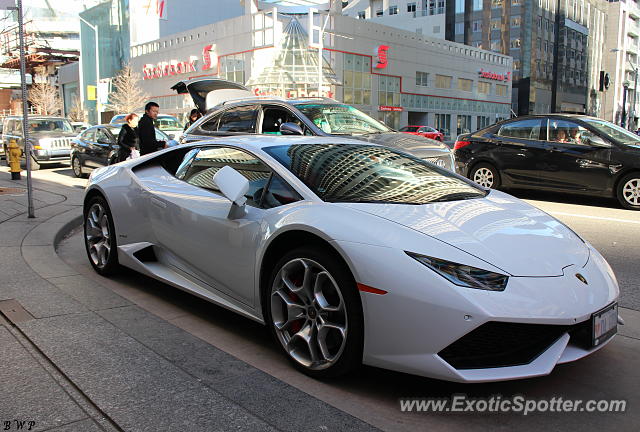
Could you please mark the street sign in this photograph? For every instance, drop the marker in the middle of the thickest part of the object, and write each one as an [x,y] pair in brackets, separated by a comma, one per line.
[92,92]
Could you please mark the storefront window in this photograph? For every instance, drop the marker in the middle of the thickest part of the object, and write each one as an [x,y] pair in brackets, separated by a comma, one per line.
[443,81]
[483,122]
[465,84]
[357,79]
[464,124]
[232,68]
[484,87]
[388,91]
[443,123]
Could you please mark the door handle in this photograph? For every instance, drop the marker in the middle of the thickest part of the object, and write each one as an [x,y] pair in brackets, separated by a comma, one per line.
[158,203]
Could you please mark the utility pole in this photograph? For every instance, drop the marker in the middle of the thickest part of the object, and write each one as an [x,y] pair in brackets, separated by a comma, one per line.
[25,111]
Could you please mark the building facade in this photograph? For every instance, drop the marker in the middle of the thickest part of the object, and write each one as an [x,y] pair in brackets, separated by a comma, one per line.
[621,62]
[396,76]
[556,46]
[425,17]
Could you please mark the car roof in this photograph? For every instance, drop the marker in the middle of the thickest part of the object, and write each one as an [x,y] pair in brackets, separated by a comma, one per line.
[38,117]
[274,100]
[260,142]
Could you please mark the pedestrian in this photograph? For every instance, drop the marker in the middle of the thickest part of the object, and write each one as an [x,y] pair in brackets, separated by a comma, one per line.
[193,117]
[128,141]
[147,130]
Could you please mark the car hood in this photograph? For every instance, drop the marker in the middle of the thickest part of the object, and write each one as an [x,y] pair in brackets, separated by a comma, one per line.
[410,143]
[498,229]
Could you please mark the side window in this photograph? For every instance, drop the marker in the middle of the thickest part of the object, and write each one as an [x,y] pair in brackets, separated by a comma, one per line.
[208,161]
[89,135]
[532,129]
[279,193]
[241,119]
[563,131]
[211,125]
[273,117]
[102,137]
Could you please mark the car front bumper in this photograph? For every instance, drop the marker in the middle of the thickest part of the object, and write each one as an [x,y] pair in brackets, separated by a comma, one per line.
[422,314]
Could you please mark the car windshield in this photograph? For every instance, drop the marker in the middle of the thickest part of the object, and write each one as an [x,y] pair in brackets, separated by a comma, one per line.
[410,129]
[50,125]
[614,131]
[167,123]
[370,174]
[338,119]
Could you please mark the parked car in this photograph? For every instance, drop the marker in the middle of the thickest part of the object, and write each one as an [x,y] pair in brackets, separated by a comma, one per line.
[97,147]
[50,138]
[425,131]
[229,108]
[353,253]
[558,152]
[165,122]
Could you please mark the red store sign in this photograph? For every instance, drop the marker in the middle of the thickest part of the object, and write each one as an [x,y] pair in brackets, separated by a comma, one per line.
[494,76]
[174,67]
[381,52]
[389,108]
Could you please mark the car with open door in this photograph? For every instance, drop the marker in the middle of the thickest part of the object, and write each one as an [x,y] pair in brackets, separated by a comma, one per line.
[98,146]
[230,108]
[558,152]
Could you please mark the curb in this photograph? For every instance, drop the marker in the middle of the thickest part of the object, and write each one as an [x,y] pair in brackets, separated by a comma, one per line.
[68,226]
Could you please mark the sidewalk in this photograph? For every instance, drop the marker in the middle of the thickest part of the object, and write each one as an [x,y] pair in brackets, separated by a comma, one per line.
[78,357]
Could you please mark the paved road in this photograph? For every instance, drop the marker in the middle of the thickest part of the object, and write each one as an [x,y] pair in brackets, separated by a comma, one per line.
[372,395]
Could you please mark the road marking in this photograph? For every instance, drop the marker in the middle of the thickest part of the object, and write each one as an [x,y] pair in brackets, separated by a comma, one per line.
[596,217]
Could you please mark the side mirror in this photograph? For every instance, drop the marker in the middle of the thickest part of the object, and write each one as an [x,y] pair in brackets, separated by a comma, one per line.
[233,186]
[289,128]
[598,141]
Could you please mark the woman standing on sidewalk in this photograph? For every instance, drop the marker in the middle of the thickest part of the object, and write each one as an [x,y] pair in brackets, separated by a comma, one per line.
[128,140]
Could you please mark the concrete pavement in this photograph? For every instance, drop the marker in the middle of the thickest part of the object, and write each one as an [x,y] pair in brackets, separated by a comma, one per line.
[78,357]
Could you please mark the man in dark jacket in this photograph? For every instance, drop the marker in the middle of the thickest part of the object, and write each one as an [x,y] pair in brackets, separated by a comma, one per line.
[147,130]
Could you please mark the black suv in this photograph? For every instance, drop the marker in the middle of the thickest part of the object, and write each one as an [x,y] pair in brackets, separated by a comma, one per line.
[555,152]
[50,138]
[229,108]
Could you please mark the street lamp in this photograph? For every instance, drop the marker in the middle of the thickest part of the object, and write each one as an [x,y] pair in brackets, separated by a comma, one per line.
[632,111]
[95,29]
[625,87]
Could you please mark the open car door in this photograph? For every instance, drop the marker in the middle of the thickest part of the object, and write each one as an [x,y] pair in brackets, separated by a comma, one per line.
[210,92]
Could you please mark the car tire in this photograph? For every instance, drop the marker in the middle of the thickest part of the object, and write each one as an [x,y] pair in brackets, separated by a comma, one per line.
[76,167]
[485,175]
[100,237]
[325,339]
[628,191]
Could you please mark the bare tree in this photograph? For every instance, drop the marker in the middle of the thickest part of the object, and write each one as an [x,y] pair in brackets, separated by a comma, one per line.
[44,97]
[77,112]
[127,95]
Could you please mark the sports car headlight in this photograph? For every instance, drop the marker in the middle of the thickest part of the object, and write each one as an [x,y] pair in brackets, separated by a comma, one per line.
[464,275]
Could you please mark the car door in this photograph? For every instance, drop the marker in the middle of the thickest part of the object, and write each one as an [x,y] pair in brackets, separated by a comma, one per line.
[81,145]
[189,217]
[100,149]
[519,150]
[574,160]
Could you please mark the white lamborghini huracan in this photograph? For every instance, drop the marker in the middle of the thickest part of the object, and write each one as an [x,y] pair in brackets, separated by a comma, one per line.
[356,253]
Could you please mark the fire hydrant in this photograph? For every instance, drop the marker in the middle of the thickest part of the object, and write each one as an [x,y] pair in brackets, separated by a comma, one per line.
[14,155]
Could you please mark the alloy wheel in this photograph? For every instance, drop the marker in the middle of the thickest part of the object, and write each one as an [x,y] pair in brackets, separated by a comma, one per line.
[77,169]
[484,177]
[309,314]
[98,235]
[631,191]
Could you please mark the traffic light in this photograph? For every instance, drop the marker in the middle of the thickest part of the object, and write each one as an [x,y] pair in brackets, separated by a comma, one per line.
[605,81]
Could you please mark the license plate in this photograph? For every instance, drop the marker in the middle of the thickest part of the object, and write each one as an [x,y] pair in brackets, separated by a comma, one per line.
[604,324]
